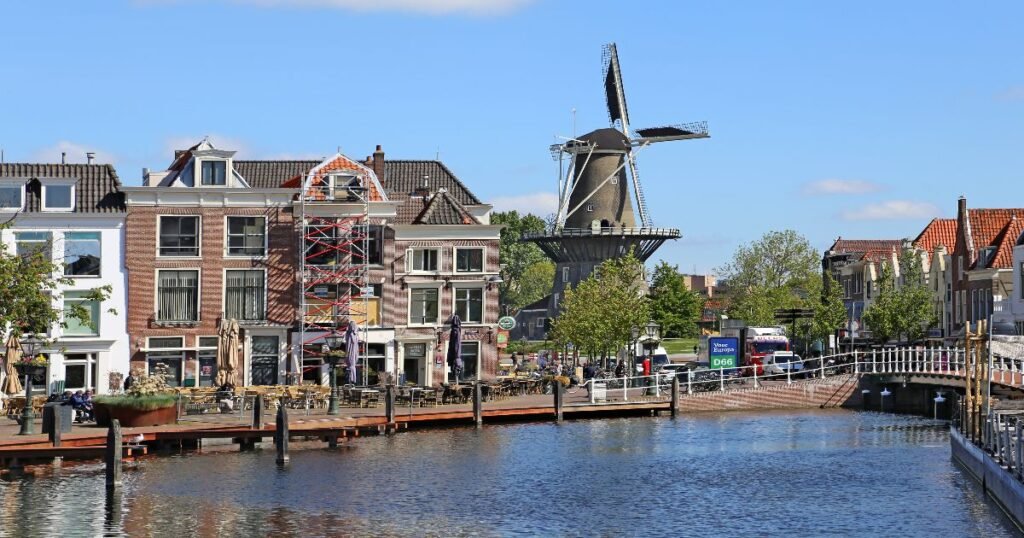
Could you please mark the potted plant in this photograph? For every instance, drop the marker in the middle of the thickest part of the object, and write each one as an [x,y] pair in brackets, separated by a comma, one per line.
[33,366]
[147,402]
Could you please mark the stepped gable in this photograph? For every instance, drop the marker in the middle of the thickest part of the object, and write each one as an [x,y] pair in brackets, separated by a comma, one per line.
[98,189]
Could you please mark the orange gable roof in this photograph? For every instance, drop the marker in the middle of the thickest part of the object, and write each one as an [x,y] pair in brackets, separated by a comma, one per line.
[1003,258]
[989,226]
[938,232]
[340,162]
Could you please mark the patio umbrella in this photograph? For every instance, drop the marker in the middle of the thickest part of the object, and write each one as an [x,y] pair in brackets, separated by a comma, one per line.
[352,350]
[455,347]
[12,354]
[227,352]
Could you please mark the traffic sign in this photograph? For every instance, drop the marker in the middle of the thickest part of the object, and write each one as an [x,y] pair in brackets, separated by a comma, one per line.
[507,323]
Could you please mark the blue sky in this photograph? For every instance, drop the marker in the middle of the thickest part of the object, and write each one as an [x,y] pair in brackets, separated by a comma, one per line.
[856,119]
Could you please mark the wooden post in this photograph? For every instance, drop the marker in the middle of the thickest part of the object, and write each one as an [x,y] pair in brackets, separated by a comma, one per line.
[675,396]
[478,406]
[55,428]
[389,404]
[281,436]
[113,455]
[257,412]
[557,390]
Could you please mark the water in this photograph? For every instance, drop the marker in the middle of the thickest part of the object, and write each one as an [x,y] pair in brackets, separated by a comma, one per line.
[821,473]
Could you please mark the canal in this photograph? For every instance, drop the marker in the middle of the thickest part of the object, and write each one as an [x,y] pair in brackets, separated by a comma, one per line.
[813,473]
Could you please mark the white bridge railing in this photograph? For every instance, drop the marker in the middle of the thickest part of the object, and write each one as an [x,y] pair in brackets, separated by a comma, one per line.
[944,361]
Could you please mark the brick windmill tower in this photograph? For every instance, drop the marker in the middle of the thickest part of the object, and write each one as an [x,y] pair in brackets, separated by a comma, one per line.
[598,187]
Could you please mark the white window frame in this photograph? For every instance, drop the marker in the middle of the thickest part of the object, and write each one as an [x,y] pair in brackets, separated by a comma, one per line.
[46,183]
[590,207]
[408,308]
[483,303]
[410,261]
[541,322]
[180,350]
[199,295]
[227,236]
[90,362]
[565,274]
[198,171]
[64,246]
[96,321]
[199,237]
[224,292]
[483,260]
[14,183]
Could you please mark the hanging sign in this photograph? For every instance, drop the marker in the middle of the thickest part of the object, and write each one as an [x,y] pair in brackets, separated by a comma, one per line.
[507,323]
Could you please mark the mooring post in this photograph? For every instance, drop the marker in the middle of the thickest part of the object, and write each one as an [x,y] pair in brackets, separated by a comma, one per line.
[113,454]
[56,427]
[557,386]
[257,412]
[389,404]
[478,403]
[281,435]
[675,396]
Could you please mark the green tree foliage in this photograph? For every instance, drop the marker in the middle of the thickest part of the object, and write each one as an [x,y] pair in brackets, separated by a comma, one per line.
[598,315]
[535,282]
[902,312]
[28,284]
[675,307]
[780,270]
[830,313]
[516,257]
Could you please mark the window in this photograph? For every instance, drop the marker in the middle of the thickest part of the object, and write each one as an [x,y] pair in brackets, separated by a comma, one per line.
[374,246]
[166,355]
[565,274]
[422,260]
[867,289]
[470,360]
[1021,273]
[90,326]
[28,244]
[541,322]
[58,197]
[590,208]
[214,172]
[82,254]
[264,360]
[469,260]
[207,356]
[179,236]
[247,236]
[245,296]
[80,371]
[366,307]
[959,267]
[469,304]
[12,196]
[423,306]
[177,295]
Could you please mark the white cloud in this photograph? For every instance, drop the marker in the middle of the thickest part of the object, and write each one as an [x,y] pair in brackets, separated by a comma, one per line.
[75,153]
[541,204]
[431,7]
[893,210]
[826,187]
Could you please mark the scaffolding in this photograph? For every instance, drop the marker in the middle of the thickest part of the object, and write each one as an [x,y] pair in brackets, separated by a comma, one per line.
[333,269]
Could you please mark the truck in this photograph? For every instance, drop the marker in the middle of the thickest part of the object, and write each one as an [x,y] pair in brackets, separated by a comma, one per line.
[756,343]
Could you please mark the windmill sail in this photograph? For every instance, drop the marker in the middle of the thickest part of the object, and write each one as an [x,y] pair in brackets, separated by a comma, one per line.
[615,95]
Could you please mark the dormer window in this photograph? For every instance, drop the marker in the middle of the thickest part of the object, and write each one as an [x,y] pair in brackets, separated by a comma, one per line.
[58,195]
[214,173]
[12,196]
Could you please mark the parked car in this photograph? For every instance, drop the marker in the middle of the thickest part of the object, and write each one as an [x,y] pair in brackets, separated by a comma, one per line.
[783,362]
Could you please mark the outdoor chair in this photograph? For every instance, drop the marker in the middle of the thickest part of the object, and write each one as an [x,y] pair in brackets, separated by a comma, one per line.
[428,397]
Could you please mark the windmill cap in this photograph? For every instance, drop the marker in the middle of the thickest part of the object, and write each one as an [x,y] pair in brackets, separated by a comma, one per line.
[607,139]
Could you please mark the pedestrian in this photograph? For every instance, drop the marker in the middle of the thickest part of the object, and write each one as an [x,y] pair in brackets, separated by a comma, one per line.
[695,349]
[129,381]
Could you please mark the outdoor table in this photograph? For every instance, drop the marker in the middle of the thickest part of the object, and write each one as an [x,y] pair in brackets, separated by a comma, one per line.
[364,396]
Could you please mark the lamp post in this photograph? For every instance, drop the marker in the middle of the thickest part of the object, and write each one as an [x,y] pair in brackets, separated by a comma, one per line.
[653,330]
[28,347]
[333,343]
[634,333]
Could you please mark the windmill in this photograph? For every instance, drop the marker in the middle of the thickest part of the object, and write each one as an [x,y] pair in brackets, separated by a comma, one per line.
[598,182]
[599,160]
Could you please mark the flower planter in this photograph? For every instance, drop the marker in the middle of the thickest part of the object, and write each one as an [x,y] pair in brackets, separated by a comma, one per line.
[131,417]
[30,369]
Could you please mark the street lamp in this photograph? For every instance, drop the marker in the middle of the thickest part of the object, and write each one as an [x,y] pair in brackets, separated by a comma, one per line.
[28,347]
[332,344]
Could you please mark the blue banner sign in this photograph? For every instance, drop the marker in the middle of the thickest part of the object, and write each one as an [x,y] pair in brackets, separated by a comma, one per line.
[723,353]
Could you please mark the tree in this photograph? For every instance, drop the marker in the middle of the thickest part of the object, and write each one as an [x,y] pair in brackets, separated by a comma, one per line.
[28,283]
[599,314]
[830,313]
[535,282]
[904,311]
[515,256]
[675,307]
[780,270]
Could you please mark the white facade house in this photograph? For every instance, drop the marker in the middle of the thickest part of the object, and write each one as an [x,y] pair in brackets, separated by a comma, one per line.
[1017,301]
[74,214]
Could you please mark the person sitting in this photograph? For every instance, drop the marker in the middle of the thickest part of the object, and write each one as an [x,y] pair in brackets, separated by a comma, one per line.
[79,405]
[226,397]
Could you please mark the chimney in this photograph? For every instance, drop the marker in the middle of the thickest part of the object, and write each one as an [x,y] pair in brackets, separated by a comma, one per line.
[90,157]
[63,157]
[145,176]
[378,163]
[961,207]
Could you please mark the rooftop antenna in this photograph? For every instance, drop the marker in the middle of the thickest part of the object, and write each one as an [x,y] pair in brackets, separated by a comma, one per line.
[339,150]
[437,154]
[1,155]
[574,122]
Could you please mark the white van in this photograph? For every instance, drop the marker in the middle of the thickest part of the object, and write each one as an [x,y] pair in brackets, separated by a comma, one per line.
[660,358]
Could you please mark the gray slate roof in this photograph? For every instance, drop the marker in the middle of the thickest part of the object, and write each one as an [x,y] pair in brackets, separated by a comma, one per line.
[403,177]
[98,189]
[271,174]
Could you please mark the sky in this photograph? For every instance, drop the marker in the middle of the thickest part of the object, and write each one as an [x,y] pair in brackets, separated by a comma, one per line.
[861,120]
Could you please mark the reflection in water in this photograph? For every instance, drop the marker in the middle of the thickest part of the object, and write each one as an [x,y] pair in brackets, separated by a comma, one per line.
[796,473]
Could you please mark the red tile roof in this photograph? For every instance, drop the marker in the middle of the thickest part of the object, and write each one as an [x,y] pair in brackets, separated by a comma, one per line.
[988,227]
[864,245]
[938,232]
[1004,242]
[877,255]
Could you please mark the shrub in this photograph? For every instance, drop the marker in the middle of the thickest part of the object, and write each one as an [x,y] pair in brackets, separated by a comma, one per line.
[141,403]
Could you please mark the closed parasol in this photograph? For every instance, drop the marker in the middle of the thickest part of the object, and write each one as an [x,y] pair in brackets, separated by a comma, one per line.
[352,350]
[227,352]
[12,354]
[455,347]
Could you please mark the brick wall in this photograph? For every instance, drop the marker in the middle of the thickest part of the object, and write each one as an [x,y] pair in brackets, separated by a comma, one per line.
[802,394]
